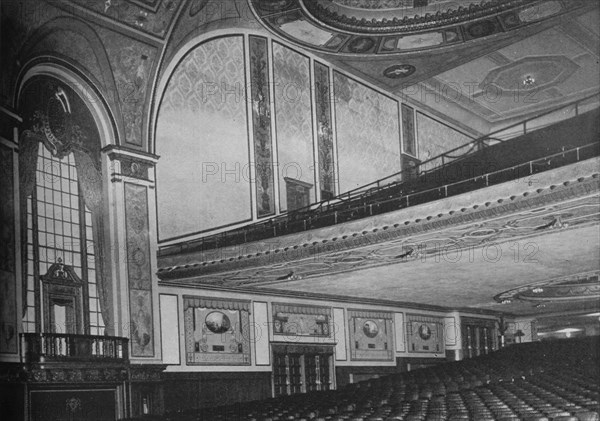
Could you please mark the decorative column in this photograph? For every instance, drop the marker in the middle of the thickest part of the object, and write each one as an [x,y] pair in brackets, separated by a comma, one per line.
[10,271]
[133,233]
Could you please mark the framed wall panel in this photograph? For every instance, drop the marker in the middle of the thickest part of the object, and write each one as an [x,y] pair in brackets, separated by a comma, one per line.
[371,335]
[216,331]
[262,351]
[339,330]
[425,334]
[399,331]
[169,328]
[293,320]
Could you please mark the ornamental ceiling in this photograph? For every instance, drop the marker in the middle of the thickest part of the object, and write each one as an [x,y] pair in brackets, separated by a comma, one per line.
[495,60]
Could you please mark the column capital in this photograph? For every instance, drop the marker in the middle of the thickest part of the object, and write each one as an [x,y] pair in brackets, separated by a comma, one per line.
[130,163]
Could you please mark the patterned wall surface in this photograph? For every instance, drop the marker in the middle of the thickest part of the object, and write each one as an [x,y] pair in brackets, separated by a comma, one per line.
[261,117]
[202,138]
[435,138]
[139,271]
[368,138]
[8,294]
[293,118]
[324,131]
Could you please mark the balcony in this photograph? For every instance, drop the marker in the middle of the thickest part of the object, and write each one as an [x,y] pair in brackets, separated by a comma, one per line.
[60,347]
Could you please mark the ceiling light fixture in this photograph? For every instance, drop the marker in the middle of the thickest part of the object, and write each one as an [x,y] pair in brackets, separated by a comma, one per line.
[528,81]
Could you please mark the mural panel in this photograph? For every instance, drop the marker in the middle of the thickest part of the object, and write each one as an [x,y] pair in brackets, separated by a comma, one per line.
[217,332]
[324,131]
[425,334]
[371,335]
[139,271]
[202,138]
[294,320]
[368,138]
[293,120]
[8,293]
[261,117]
[409,145]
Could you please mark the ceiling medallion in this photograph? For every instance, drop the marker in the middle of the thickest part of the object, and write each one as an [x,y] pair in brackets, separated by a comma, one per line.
[579,287]
[399,71]
[529,81]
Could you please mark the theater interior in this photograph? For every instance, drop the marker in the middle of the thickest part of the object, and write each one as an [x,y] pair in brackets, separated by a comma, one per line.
[299,210]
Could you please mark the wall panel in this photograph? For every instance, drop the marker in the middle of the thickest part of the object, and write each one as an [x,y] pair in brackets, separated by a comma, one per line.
[293,119]
[202,138]
[435,137]
[368,138]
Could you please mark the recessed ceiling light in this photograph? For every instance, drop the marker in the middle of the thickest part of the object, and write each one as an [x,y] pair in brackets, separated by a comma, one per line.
[592,315]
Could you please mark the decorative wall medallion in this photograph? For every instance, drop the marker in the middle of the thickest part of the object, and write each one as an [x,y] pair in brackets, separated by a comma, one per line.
[361,45]
[425,332]
[370,328]
[399,71]
[73,404]
[217,322]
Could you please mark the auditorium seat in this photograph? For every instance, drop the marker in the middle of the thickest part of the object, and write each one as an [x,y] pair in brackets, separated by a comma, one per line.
[553,381]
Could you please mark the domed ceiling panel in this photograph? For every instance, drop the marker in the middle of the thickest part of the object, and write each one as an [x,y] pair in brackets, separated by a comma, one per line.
[328,26]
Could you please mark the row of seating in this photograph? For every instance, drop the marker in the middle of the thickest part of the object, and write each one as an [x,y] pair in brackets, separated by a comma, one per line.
[550,381]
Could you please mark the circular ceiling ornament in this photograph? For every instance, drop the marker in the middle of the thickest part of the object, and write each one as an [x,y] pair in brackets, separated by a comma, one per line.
[399,71]
[574,288]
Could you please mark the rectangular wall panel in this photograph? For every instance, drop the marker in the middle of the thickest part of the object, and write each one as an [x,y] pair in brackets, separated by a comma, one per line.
[261,334]
[202,139]
[139,272]
[399,330]
[436,138]
[339,329]
[169,329]
[368,137]
[261,118]
[291,73]
[8,292]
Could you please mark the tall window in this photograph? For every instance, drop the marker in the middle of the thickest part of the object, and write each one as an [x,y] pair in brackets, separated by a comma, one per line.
[59,226]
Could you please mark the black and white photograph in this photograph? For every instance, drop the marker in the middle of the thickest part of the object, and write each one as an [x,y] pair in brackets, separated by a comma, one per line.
[299,210]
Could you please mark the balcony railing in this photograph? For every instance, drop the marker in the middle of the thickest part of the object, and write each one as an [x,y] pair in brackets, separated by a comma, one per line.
[49,347]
